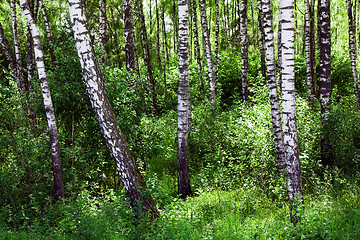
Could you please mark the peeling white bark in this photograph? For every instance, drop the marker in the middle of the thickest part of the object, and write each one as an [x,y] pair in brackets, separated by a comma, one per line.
[244,50]
[207,47]
[129,174]
[50,116]
[288,103]
[184,187]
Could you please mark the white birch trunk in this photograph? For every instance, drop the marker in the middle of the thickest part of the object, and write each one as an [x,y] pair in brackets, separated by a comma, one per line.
[207,47]
[288,103]
[244,50]
[273,92]
[128,171]
[50,116]
[184,187]
[352,46]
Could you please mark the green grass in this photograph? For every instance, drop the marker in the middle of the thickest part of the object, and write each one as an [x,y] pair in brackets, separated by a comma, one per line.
[245,213]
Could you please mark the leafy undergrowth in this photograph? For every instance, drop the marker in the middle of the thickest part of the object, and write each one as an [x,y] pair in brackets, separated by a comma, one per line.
[245,213]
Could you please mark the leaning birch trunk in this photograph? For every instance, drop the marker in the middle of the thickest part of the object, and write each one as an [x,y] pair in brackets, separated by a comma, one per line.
[54,137]
[352,45]
[288,103]
[129,174]
[184,187]
[273,91]
[48,32]
[207,47]
[129,36]
[244,50]
[102,31]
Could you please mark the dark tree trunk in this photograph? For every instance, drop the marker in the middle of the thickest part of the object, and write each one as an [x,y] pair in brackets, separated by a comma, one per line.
[184,187]
[244,50]
[130,176]
[325,75]
[146,54]
[129,36]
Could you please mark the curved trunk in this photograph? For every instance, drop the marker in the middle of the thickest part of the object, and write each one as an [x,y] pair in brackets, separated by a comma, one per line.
[273,92]
[130,176]
[288,103]
[184,187]
[50,116]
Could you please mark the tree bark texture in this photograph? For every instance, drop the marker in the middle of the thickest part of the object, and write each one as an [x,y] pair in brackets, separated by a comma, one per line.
[129,36]
[50,116]
[217,22]
[102,31]
[129,174]
[184,187]
[288,104]
[147,59]
[207,46]
[244,50]
[325,57]
[310,51]
[196,40]
[352,45]
[266,7]
[262,40]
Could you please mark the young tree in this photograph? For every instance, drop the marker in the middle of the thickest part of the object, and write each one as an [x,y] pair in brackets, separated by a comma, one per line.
[288,104]
[102,31]
[310,50]
[352,45]
[267,17]
[244,50]
[129,174]
[184,187]
[262,40]
[54,137]
[196,39]
[146,55]
[48,32]
[207,47]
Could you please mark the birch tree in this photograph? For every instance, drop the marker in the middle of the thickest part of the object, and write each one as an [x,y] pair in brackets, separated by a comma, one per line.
[352,46]
[102,31]
[129,36]
[130,176]
[325,74]
[244,50]
[184,187]
[294,185]
[310,50]
[48,32]
[49,109]
[207,48]
[146,55]
[267,17]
